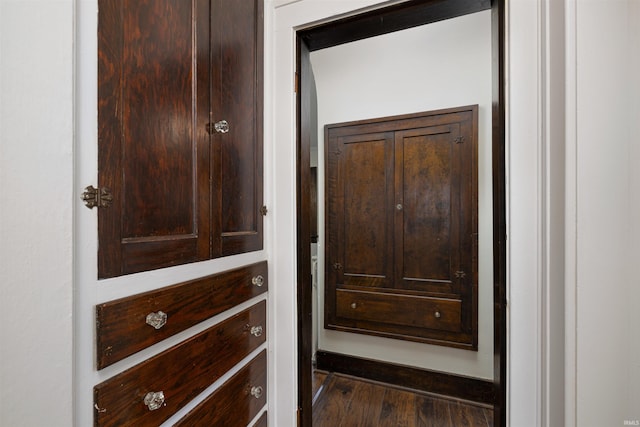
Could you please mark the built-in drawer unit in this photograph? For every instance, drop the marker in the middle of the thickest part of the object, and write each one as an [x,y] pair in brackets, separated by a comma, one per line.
[236,402]
[131,324]
[391,314]
[152,391]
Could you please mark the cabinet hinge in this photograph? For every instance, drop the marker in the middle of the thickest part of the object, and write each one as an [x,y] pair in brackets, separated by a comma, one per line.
[295,83]
[459,140]
[263,211]
[100,197]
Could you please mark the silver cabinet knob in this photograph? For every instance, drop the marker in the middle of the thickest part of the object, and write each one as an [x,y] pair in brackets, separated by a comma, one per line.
[222,126]
[154,400]
[399,207]
[258,280]
[256,331]
[256,392]
[157,319]
[437,314]
[354,305]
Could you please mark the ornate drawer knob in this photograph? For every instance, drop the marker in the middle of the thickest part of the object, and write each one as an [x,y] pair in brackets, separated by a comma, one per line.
[256,331]
[258,280]
[256,392]
[157,320]
[154,400]
[354,305]
[437,314]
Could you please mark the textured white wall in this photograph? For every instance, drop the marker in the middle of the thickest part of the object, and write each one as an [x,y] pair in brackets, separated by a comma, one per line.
[608,209]
[36,220]
[440,65]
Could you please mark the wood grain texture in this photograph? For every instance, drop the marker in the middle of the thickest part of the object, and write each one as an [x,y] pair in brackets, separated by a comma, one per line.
[121,328]
[152,108]
[236,162]
[401,222]
[182,372]
[232,405]
[461,387]
[347,401]
[180,194]
[262,421]
[396,17]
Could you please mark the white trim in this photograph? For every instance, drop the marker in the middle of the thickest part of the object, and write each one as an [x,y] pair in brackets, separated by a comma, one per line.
[571,192]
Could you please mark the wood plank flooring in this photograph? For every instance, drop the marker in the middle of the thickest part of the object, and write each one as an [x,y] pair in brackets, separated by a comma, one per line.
[345,401]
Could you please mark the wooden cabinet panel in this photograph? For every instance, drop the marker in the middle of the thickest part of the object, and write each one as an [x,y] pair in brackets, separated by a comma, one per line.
[400,310]
[401,224]
[236,402]
[122,328]
[237,64]
[182,192]
[180,373]
[153,152]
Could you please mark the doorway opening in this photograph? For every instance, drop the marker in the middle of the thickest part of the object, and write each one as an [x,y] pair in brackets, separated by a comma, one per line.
[373,23]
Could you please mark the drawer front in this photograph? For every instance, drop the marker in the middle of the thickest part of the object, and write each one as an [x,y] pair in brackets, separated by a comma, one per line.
[402,310]
[131,324]
[179,374]
[236,402]
[262,421]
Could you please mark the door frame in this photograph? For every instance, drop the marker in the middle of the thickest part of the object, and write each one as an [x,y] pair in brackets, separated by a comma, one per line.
[368,24]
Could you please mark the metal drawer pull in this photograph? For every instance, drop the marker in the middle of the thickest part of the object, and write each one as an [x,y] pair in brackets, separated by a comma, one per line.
[354,305]
[258,280]
[256,392]
[157,320]
[437,314]
[222,126]
[154,400]
[256,331]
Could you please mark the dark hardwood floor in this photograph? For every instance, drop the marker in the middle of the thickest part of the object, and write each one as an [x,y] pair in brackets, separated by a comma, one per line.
[345,401]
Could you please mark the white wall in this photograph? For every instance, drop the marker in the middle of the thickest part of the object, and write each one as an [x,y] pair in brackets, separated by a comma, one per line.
[36,220]
[607,154]
[440,65]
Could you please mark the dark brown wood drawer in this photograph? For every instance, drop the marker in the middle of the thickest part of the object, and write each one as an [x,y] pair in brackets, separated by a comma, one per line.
[180,373]
[402,310]
[236,402]
[122,328]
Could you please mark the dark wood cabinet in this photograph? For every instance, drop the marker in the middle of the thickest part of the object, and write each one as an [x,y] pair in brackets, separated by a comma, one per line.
[130,324]
[401,224]
[236,402]
[179,131]
[152,391]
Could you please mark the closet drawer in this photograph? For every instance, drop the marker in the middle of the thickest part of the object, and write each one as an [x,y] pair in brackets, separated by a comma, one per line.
[402,310]
[130,324]
[179,374]
[236,402]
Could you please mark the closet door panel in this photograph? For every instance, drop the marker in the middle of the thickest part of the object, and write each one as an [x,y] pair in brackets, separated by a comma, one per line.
[361,209]
[427,231]
[237,36]
[153,147]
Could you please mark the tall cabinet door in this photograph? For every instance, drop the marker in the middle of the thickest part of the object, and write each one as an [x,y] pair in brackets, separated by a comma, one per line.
[360,173]
[153,146]
[180,131]
[401,227]
[236,85]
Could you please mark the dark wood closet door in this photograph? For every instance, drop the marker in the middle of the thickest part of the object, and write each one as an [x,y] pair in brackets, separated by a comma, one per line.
[153,145]
[360,206]
[401,224]
[236,50]
[427,226]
